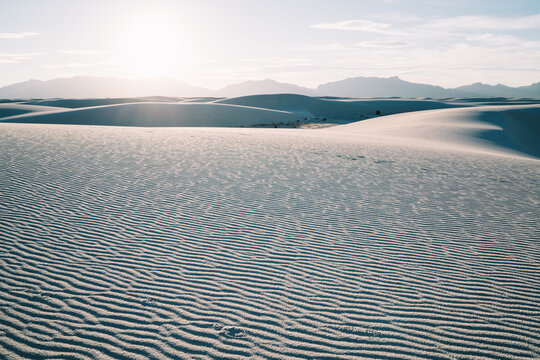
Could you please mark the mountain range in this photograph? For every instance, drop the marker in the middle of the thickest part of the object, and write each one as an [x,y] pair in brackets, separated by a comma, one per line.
[97,87]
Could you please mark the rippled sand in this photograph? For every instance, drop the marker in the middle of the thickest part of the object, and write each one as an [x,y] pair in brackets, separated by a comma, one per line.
[158,243]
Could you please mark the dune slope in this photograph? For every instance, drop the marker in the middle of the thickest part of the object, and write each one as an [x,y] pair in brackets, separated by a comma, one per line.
[502,129]
[14,109]
[336,108]
[160,114]
[82,103]
[197,243]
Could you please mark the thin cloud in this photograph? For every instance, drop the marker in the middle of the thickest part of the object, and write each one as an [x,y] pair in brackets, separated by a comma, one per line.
[82,64]
[69,65]
[276,62]
[332,47]
[353,25]
[15,58]
[413,26]
[8,61]
[20,35]
[501,41]
[83,52]
[488,22]
[384,44]
[19,55]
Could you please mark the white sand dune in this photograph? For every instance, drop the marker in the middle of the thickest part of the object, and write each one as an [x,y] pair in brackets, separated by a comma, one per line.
[485,128]
[492,101]
[13,109]
[81,103]
[160,114]
[289,109]
[356,242]
[267,110]
[337,108]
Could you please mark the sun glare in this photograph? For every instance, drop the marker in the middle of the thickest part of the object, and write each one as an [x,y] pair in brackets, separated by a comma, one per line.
[153,46]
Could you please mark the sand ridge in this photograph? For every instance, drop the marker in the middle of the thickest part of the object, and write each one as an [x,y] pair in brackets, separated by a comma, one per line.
[512,129]
[14,109]
[498,129]
[160,114]
[340,109]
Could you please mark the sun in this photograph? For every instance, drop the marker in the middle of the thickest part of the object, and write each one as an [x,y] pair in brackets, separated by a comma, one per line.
[152,45]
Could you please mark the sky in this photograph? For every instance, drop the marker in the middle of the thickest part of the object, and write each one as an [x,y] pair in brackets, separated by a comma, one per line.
[213,43]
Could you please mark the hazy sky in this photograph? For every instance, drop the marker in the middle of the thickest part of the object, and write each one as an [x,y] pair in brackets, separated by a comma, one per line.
[213,43]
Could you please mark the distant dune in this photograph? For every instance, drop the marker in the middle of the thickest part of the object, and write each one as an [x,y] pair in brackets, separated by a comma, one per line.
[160,114]
[80,103]
[241,111]
[13,109]
[458,125]
[337,108]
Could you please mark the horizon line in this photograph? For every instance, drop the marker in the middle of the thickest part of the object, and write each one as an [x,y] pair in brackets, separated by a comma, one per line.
[259,80]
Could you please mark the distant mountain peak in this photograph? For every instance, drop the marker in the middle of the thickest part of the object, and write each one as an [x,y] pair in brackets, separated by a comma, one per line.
[265,86]
[99,87]
[382,87]
[356,87]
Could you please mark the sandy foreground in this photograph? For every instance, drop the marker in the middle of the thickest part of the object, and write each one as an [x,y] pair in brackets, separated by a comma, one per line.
[365,240]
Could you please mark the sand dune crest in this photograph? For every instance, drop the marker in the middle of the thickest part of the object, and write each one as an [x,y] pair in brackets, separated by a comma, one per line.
[511,129]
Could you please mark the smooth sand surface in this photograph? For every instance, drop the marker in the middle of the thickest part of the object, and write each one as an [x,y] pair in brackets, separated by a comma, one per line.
[13,109]
[207,243]
[160,114]
[513,129]
[81,103]
[337,108]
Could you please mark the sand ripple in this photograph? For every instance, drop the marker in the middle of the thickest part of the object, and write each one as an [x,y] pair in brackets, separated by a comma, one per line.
[127,243]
